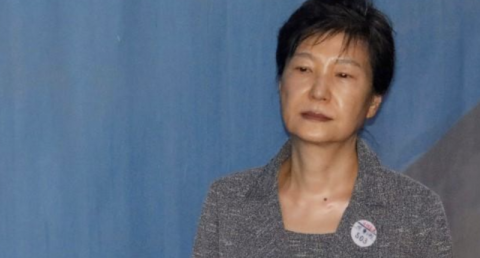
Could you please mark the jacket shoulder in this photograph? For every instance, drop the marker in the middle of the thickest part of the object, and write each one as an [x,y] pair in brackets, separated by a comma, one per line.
[405,186]
[404,195]
[422,209]
[237,184]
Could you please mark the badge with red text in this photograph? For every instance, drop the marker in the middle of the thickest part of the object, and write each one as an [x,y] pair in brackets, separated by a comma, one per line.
[364,233]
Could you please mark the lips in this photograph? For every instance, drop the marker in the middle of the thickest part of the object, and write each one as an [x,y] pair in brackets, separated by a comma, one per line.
[316,116]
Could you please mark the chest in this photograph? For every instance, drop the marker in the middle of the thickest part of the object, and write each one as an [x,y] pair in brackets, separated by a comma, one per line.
[312,217]
[256,230]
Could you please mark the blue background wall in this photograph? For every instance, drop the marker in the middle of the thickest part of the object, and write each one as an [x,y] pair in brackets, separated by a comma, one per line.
[115,116]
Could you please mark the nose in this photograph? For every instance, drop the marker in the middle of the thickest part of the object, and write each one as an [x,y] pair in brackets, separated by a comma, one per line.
[320,89]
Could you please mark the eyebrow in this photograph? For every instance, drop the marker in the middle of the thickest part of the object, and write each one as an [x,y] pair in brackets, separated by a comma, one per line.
[304,54]
[338,60]
[348,61]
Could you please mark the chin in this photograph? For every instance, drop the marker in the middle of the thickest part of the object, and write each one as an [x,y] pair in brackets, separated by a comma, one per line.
[321,134]
[321,138]
[313,138]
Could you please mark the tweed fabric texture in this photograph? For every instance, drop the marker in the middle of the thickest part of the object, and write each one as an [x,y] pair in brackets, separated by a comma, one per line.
[241,217]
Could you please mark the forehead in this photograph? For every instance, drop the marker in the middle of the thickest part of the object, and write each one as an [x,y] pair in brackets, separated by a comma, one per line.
[335,43]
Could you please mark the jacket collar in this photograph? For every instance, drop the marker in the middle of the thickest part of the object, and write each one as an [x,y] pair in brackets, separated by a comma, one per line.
[367,185]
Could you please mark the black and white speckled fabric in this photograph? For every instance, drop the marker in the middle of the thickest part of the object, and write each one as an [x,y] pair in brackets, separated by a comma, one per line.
[241,217]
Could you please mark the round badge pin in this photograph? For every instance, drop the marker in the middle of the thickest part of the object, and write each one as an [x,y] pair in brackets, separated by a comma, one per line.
[364,233]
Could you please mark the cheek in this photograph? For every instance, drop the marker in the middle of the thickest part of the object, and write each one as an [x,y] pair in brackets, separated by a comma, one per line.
[289,102]
[293,89]
[284,102]
[285,94]
[354,105]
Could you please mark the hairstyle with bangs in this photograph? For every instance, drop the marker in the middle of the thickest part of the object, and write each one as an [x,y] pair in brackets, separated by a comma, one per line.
[359,20]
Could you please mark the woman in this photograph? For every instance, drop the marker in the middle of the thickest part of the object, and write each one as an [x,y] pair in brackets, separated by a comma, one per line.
[325,194]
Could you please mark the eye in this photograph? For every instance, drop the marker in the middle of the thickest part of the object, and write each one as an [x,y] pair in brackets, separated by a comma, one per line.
[302,69]
[344,75]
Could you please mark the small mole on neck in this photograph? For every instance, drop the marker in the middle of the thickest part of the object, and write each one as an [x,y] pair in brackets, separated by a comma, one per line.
[325,199]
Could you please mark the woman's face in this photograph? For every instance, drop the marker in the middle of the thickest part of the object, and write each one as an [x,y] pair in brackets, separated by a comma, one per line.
[326,90]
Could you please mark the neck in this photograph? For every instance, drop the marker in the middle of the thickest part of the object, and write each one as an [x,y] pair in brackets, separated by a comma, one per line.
[320,171]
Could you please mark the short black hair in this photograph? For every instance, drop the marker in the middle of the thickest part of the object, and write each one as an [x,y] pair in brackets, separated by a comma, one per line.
[359,20]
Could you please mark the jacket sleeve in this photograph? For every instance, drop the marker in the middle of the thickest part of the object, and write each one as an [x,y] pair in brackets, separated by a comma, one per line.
[207,238]
[434,235]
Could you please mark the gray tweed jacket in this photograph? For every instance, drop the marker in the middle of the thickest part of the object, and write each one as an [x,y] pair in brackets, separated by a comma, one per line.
[389,215]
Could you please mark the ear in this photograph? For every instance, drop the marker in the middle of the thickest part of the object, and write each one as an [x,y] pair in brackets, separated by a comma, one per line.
[374,106]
